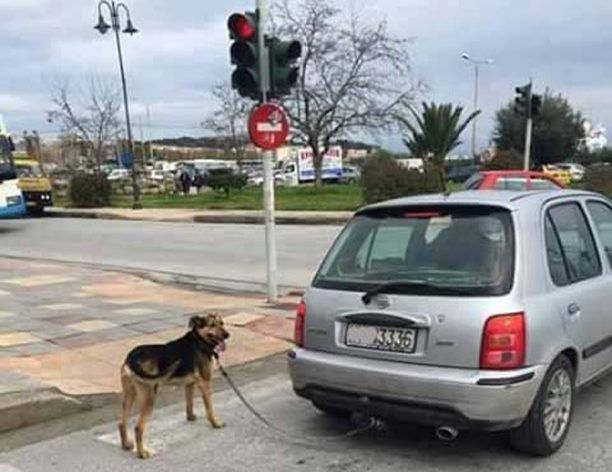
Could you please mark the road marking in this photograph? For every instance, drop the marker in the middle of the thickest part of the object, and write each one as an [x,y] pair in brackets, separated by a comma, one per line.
[63,306]
[39,280]
[6,314]
[8,468]
[136,311]
[17,338]
[124,301]
[4,293]
[242,319]
[169,426]
[92,325]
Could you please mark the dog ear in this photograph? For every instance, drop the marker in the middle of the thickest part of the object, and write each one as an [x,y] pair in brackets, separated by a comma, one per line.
[195,322]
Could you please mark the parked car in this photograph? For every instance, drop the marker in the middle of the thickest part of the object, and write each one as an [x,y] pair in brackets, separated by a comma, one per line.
[478,310]
[350,175]
[461,173]
[118,174]
[257,179]
[511,180]
[157,175]
[576,171]
[560,175]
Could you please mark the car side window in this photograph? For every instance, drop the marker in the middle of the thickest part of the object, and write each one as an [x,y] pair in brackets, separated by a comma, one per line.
[576,242]
[602,217]
[474,182]
[543,184]
[511,183]
[554,254]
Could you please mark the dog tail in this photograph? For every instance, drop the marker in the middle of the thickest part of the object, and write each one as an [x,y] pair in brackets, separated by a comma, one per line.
[155,378]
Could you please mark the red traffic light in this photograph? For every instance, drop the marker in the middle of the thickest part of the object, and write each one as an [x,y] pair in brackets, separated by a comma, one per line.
[241,26]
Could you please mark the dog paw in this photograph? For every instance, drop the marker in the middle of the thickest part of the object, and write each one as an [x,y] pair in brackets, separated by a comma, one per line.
[191,417]
[144,454]
[216,424]
[128,446]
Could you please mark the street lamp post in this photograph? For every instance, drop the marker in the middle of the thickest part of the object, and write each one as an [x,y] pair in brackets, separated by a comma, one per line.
[476,64]
[103,27]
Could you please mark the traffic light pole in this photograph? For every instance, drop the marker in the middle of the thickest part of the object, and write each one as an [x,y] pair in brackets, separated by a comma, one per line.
[528,134]
[268,163]
[528,130]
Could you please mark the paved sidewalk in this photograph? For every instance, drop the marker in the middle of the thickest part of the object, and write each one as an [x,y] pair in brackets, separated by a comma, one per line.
[206,216]
[70,328]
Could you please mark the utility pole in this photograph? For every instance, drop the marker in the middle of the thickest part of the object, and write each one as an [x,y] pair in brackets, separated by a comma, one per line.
[149,133]
[477,64]
[268,164]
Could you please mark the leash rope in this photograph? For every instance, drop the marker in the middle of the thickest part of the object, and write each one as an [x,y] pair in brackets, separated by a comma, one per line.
[372,422]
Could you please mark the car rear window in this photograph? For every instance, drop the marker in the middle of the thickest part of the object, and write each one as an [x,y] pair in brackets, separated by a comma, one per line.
[458,250]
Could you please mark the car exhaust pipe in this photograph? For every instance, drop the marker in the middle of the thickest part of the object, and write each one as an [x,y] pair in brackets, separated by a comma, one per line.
[447,433]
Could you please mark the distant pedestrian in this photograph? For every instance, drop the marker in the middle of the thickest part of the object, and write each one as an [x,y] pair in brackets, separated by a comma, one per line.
[185,180]
[198,181]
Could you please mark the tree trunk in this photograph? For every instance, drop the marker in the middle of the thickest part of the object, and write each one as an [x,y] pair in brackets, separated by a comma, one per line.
[442,174]
[317,162]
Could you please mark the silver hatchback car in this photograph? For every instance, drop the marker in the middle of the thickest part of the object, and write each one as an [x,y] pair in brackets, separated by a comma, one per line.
[478,310]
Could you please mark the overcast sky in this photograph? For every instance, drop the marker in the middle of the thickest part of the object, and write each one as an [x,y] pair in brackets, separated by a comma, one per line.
[182,51]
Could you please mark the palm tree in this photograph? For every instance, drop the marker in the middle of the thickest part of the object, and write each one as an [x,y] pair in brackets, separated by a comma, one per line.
[435,132]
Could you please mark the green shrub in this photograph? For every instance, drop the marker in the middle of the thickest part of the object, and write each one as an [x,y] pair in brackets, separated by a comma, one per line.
[89,190]
[382,178]
[599,179]
[225,180]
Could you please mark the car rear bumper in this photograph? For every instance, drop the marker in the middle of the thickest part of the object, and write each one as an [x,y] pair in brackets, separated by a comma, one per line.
[439,396]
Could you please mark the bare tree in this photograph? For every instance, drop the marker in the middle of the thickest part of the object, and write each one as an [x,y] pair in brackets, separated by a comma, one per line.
[91,115]
[229,120]
[354,75]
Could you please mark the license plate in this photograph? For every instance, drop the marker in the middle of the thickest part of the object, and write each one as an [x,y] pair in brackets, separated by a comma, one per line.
[381,338]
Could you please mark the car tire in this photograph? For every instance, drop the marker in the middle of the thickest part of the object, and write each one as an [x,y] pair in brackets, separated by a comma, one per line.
[534,437]
[331,410]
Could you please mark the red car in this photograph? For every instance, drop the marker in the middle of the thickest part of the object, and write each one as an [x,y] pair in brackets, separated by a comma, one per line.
[511,180]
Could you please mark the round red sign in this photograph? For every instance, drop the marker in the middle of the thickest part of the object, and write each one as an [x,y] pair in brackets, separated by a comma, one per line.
[268,126]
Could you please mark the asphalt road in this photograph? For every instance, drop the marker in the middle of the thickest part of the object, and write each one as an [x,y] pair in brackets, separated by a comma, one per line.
[245,445]
[220,253]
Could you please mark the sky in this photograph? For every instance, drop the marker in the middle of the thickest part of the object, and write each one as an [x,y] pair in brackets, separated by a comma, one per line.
[182,51]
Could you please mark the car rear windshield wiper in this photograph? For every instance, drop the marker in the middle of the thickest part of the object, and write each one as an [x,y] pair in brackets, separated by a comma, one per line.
[395,285]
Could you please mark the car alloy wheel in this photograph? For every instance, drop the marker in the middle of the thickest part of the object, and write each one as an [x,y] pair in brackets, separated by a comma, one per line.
[557,406]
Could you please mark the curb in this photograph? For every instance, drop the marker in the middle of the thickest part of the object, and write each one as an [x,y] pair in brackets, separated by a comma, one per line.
[220,218]
[26,408]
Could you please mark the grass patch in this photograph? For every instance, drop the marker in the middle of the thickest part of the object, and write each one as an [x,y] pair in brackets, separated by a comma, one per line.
[307,198]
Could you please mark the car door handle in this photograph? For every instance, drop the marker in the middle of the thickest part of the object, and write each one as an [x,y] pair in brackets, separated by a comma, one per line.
[573,309]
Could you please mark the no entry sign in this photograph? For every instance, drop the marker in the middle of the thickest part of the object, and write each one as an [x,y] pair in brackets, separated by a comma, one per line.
[268,126]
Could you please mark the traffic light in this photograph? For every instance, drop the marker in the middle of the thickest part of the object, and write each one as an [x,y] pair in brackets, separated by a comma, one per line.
[522,102]
[284,73]
[244,53]
[536,105]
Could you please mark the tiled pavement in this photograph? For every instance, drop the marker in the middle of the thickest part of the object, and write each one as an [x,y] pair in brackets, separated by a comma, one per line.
[71,327]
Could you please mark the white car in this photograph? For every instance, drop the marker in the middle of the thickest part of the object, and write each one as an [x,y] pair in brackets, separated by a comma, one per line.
[118,174]
[157,175]
[576,171]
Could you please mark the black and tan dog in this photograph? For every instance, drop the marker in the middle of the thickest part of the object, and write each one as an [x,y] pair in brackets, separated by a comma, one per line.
[187,360]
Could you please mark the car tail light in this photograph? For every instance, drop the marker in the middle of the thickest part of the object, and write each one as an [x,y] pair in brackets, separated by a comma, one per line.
[300,322]
[503,342]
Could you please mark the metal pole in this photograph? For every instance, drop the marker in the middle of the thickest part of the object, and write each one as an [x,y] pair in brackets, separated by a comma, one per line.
[136,205]
[476,79]
[149,132]
[528,134]
[529,129]
[268,158]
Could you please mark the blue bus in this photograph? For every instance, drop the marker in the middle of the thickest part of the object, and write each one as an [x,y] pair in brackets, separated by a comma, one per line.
[12,203]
